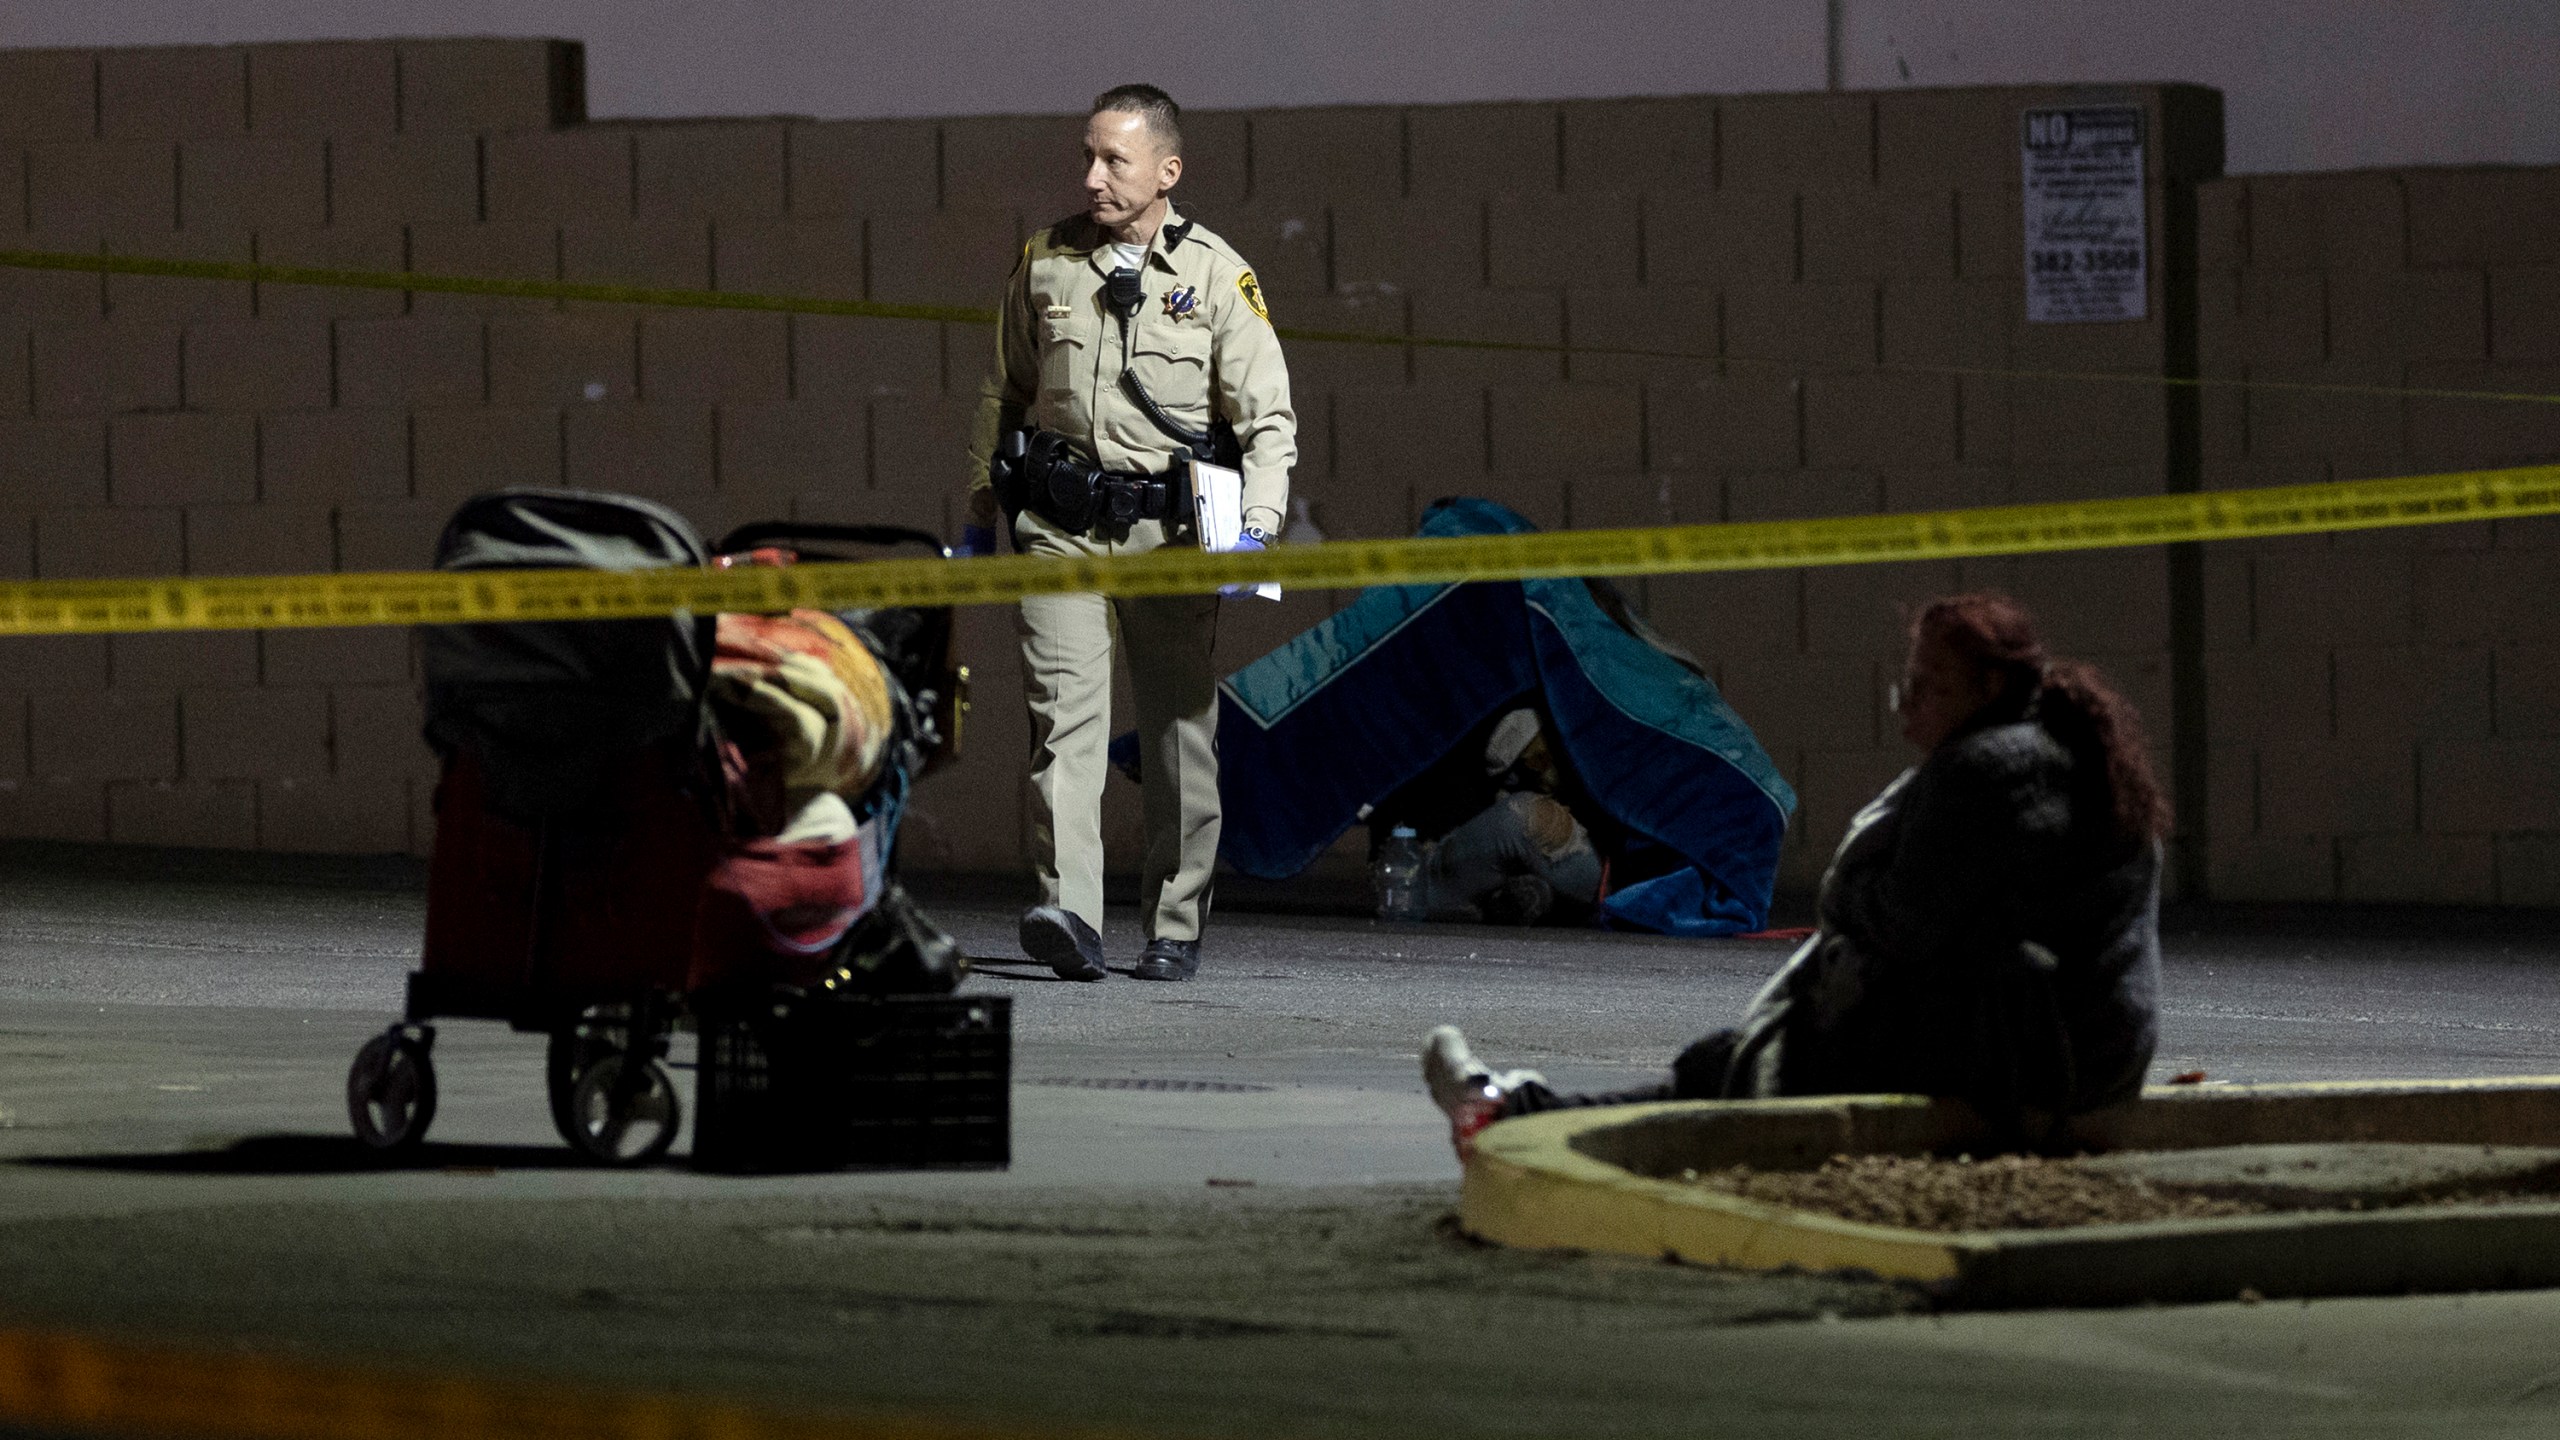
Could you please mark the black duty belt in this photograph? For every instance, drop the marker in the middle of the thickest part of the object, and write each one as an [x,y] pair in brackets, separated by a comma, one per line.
[1042,471]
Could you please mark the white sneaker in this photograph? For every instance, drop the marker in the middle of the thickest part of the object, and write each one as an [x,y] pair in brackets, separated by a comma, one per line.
[1456,1078]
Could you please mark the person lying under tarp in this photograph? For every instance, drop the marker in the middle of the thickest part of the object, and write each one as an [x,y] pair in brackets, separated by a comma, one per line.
[1990,923]
[1523,857]
[1383,711]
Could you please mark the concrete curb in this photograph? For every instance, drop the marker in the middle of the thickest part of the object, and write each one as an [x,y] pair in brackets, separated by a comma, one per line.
[1591,1180]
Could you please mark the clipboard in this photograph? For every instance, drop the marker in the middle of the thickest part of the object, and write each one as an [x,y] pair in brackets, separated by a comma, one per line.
[1217,502]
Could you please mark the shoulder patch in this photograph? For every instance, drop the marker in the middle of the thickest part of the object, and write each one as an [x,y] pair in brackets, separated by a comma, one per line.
[1252,292]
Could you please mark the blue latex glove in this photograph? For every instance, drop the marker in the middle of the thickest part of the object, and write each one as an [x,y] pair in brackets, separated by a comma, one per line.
[1243,544]
[975,540]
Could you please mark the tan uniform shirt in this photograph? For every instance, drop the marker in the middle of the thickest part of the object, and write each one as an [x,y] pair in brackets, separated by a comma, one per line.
[1203,338]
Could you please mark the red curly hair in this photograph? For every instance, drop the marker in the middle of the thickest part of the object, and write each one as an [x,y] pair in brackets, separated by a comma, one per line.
[2075,703]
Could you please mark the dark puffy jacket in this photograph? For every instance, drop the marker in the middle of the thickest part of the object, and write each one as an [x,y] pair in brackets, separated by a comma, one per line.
[1986,935]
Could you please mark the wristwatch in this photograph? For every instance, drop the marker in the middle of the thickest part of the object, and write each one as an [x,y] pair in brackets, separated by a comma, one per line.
[1257,535]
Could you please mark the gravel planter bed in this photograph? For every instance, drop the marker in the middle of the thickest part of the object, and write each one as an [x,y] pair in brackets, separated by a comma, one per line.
[2008,1192]
[2188,1194]
[2024,1192]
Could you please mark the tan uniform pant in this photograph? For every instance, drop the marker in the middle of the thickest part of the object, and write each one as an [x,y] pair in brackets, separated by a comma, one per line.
[1067,643]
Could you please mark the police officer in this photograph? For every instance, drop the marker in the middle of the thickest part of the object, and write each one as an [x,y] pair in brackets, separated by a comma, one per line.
[1131,340]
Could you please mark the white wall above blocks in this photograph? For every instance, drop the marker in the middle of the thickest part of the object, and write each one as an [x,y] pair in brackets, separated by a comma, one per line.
[2313,84]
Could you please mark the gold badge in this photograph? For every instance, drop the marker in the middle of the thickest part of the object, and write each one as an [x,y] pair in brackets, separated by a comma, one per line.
[1252,289]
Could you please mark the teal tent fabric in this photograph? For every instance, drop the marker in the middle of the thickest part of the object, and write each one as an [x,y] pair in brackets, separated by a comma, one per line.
[1338,718]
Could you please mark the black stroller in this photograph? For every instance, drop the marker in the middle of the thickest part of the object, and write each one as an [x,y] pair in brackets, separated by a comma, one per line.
[596,877]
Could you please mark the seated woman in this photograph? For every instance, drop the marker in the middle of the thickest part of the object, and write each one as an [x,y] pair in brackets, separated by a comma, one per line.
[1990,923]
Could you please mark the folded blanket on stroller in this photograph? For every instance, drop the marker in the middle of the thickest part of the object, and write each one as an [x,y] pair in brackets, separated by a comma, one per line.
[805,712]
[792,899]
[807,708]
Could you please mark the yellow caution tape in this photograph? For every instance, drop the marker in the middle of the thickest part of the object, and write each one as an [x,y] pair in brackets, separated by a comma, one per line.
[678,299]
[479,285]
[67,1382]
[66,607]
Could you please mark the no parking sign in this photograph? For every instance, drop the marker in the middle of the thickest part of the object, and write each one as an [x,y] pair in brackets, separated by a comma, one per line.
[2086,256]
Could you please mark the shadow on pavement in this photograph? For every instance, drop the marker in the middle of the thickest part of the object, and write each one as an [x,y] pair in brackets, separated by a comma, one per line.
[1028,970]
[319,1155]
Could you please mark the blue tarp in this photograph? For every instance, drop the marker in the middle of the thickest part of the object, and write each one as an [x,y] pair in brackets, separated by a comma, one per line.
[1342,716]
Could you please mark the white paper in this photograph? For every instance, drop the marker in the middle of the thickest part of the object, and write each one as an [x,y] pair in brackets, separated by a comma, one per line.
[2086,257]
[1217,499]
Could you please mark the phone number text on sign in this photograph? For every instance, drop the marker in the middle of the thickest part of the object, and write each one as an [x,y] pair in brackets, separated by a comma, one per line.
[2087,250]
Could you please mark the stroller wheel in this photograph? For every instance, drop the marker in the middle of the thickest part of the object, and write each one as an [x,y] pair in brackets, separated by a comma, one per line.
[573,1051]
[622,1116]
[391,1090]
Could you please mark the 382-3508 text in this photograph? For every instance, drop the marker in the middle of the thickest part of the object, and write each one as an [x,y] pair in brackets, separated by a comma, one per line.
[2091,260]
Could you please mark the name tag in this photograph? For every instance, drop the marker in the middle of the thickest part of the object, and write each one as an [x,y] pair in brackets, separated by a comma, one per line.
[1061,312]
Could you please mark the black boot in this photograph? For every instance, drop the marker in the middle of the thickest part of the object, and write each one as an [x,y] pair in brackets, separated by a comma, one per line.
[1167,960]
[1062,941]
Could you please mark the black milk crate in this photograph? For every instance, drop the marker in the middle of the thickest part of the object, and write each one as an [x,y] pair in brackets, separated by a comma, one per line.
[821,1084]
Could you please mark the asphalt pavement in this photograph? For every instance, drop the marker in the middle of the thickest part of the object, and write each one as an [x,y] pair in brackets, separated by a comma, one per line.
[1228,1211]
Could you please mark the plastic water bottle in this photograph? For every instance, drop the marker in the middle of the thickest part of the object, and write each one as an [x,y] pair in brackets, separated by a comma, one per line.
[1395,872]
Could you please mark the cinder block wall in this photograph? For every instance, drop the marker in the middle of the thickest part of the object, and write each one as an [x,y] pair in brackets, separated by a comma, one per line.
[171,426]
[2385,707]
[164,427]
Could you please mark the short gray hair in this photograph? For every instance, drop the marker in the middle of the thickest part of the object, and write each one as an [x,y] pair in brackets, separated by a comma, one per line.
[1164,118]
